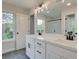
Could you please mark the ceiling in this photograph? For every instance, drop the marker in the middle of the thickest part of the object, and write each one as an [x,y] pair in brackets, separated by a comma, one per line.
[56,8]
[27,4]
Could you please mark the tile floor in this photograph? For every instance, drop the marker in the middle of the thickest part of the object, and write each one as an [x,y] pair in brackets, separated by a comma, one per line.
[20,54]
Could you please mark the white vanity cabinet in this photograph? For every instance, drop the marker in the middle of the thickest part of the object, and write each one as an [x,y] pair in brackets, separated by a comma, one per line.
[30,47]
[56,52]
[41,49]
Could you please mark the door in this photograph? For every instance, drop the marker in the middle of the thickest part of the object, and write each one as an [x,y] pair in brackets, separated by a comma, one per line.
[21,30]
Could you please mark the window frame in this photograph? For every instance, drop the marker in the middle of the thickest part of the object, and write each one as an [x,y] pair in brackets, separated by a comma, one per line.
[74,12]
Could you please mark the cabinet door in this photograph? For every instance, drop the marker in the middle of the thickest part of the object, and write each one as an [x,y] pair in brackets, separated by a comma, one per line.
[30,48]
[59,51]
[51,55]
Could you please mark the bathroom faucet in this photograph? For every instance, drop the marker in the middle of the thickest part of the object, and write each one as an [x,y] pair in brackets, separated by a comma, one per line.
[70,35]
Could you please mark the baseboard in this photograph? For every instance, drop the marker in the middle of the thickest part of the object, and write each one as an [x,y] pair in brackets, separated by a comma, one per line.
[11,50]
[7,51]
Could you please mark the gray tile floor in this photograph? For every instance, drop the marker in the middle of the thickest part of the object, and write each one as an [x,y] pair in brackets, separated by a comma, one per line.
[20,54]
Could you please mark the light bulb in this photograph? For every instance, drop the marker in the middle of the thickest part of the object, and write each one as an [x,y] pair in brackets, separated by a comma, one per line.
[68,4]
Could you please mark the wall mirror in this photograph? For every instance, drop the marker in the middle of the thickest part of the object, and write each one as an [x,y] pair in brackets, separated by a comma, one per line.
[52,17]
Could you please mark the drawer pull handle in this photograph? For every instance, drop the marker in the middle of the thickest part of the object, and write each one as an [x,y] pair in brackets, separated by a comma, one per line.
[39,52]
[28,45]
[38,43]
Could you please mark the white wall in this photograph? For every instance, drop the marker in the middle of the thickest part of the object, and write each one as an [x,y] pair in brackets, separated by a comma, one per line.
[8,46]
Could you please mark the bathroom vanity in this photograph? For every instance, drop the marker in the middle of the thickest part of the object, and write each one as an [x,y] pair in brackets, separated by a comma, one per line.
[41,47]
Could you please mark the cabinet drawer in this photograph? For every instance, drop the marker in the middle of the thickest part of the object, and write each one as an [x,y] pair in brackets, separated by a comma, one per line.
[39,56]
[61,51]
[39,53]
[39,44]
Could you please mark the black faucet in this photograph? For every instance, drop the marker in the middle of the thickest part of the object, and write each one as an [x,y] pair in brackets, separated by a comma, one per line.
[69,35]
[39,33]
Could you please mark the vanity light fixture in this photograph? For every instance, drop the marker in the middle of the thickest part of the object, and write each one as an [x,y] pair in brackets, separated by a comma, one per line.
[46,6]
[68,4]
[38,11]
[42,9]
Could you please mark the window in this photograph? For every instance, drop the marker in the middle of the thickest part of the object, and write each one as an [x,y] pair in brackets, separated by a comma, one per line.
[7,25]
[71,23]
[40,25]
